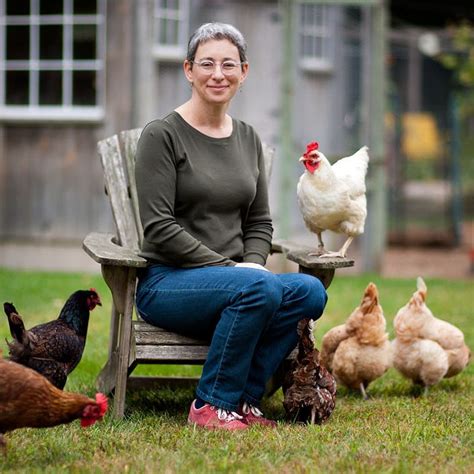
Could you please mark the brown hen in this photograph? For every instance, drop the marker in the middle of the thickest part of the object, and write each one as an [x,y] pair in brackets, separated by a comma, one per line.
[27,399]
[310,390]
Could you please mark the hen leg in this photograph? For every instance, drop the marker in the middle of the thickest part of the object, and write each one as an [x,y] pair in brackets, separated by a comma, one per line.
[363,392]
[342,252]
[321,250]
[3,444]
[313,414]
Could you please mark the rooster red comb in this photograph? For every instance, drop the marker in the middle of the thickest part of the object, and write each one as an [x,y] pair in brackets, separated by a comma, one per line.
[311,147]
[93,289]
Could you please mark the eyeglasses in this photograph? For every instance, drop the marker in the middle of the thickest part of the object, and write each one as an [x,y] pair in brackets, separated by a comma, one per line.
[228,68]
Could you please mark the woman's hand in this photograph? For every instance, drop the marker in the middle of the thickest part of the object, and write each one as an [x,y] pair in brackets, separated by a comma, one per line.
[257,266]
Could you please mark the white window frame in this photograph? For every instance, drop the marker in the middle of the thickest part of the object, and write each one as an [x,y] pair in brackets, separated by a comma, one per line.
[174,52]
[67,111]
[321,33]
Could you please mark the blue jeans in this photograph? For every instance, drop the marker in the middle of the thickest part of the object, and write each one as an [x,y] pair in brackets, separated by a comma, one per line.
[248,315]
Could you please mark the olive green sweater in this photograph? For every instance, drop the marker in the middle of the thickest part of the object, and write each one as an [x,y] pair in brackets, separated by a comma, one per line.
[203,201]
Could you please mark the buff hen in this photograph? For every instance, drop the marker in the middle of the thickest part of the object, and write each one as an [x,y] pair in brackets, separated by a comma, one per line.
[359,351]
[426,349]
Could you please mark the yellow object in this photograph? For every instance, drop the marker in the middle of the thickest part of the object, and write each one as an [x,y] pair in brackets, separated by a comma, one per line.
[420,138]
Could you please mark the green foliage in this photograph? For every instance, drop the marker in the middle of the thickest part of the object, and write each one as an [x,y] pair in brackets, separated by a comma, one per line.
[396,431]
[460,59]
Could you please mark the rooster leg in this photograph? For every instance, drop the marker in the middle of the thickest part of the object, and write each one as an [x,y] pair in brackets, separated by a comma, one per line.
[363,392]
[313,415]
[342,252]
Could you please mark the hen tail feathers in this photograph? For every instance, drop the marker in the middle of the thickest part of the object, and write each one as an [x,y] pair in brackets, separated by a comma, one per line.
[17,327]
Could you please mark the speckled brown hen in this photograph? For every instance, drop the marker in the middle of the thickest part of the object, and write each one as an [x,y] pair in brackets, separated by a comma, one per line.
[310,390]
[55,348]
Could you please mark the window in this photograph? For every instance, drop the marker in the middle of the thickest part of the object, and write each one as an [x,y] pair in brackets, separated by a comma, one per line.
[316,34]
[52,59]
[171,29]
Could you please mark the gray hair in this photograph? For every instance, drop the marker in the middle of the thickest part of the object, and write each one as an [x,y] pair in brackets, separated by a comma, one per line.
[217,31]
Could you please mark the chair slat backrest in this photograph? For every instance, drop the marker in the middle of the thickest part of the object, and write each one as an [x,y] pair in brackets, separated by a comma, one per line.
[117,155]
[116,185]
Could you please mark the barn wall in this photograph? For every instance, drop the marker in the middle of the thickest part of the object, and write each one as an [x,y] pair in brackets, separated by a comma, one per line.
[50,175]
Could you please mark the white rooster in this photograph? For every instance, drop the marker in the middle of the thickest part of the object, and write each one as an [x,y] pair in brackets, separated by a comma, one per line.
[333,197]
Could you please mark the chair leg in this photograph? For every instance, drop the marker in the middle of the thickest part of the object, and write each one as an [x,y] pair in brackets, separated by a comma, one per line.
[124,346]
[105,381]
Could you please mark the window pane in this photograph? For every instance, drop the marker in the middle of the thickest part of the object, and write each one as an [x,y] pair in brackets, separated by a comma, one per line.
[51,7]
[18,7]
[84,42]
[85,7]
[18,42]
[17,88]
[84,87]
[50,87]
[51,42]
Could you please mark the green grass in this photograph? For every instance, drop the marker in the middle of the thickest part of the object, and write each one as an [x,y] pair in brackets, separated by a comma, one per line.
[396,431]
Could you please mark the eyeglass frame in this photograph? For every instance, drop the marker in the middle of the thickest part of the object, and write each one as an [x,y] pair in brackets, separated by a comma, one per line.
[228,73]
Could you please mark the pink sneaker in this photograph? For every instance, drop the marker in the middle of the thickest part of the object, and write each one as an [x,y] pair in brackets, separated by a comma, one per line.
[252,415]
[211,418]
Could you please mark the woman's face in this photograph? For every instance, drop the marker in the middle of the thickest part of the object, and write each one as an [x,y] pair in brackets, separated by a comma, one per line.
[216,85]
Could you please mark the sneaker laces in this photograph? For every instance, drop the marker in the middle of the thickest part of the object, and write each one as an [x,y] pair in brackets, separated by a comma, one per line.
[227,415]
[247,408]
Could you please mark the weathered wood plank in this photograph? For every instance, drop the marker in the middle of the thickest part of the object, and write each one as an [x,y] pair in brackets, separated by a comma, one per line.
[129,139]
[166,338]
[300,254]
[102,249]
[117,190]
[171,354]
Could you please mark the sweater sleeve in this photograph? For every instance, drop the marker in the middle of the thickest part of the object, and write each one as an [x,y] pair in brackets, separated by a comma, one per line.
[155,174]
[257,229]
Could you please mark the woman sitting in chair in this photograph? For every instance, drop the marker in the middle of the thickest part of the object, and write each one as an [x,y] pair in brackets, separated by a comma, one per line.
[207,234]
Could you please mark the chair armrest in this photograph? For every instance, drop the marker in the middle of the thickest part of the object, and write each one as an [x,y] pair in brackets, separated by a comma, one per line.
[103,250]
[300,254]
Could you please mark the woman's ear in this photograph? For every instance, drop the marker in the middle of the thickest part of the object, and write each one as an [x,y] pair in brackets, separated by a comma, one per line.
[245,71]
[188,70]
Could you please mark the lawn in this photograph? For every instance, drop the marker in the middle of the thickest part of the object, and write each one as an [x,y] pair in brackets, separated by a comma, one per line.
[396,431]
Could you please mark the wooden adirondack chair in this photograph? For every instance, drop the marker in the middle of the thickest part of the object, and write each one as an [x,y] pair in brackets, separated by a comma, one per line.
[134,342]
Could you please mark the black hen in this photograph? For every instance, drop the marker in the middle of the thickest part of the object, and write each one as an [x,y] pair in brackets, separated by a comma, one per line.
[310,390]
[55,348]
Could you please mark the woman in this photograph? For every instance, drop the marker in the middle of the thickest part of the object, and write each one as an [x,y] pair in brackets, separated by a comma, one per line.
[207,233]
